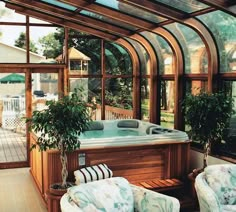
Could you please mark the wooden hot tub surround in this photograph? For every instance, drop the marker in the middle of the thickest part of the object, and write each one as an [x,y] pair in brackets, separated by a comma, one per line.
[145,165]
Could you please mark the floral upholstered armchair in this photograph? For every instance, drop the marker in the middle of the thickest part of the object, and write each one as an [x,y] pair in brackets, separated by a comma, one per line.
[115,195]
[216,188]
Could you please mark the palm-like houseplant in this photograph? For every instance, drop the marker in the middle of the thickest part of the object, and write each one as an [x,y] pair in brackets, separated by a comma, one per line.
[59,126]
[207,115]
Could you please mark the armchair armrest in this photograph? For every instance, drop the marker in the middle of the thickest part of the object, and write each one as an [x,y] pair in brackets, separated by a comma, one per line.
[208,200]
[67,204]
[147,200]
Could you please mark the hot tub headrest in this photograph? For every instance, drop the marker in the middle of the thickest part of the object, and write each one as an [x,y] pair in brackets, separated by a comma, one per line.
[128,124]
[95,125]
[149,129]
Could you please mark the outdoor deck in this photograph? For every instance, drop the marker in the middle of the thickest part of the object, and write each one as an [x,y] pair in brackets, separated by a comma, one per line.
[12,146]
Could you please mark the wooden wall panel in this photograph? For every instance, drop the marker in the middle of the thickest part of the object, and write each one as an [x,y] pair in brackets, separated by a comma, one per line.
[36,166]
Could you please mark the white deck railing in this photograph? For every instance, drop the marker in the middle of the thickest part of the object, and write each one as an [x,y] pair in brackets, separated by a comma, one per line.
[11,112]
[112,113]
[14,105]
[13,109]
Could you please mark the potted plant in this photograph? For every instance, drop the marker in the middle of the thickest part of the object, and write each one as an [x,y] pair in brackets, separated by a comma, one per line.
[59,126]
[207,115]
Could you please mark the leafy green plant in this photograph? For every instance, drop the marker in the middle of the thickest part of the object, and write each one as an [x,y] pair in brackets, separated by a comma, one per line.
[59,126]
[207,115]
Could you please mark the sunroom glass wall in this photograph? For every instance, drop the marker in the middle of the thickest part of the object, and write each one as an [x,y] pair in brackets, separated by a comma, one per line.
[145,86]
[193,48]
[223,28]
[118,83]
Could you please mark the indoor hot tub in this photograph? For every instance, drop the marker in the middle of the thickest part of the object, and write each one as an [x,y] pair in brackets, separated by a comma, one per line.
[131,148]
[128,132]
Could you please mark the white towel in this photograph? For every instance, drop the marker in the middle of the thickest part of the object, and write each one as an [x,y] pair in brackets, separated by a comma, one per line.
[92,173]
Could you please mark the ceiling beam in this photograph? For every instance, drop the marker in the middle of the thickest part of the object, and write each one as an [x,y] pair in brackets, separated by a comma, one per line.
[158,9]
[112,14]
[71,16]
[62,22]
[224,5]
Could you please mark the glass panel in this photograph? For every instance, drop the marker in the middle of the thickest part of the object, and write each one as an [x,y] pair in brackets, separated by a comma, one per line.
[228,148]
[223,28]
[164,52]
[108,20]
[167,103]
[8,15]
[232,8]
[193,48]
[131,10]
[86,49]
[78,66]
[44,44]
[195,86]
[167,55]
[143,57]
[117,60]
[44,87]
[118,98]
[92,88]
[60,4]
[12,45]
[185,5]
[12,110]
[145,99]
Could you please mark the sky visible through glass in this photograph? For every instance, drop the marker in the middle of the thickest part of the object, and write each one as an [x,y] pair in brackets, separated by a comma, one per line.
[110,3]
[9,36]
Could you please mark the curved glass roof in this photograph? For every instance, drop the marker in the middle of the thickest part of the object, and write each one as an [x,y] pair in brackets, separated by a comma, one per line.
[121,18]
[185,5]
[223,28]
[189,41]
[129,9]
[107,20]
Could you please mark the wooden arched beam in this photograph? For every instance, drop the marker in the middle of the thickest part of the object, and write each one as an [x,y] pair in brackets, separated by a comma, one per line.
[153,76]
[179,71]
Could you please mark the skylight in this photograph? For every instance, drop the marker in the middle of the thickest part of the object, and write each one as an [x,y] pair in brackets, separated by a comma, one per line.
[60,4]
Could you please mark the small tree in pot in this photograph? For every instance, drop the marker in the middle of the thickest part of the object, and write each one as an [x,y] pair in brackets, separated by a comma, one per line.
[207,115]
[59,126]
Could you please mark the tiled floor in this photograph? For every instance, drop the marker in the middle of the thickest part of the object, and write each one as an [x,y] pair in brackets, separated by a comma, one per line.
[12,146]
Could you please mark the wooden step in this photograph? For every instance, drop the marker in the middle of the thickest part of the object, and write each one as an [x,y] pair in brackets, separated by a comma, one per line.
[160,185]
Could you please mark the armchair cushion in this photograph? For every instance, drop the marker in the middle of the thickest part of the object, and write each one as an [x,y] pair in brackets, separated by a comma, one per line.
[228,208]
[147,200]
[103,195]
[222,180]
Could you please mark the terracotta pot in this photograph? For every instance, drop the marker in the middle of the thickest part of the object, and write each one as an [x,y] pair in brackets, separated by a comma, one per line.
[56,189]
[54,194]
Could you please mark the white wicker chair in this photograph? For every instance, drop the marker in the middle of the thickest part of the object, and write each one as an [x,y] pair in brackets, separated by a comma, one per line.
[216,188]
